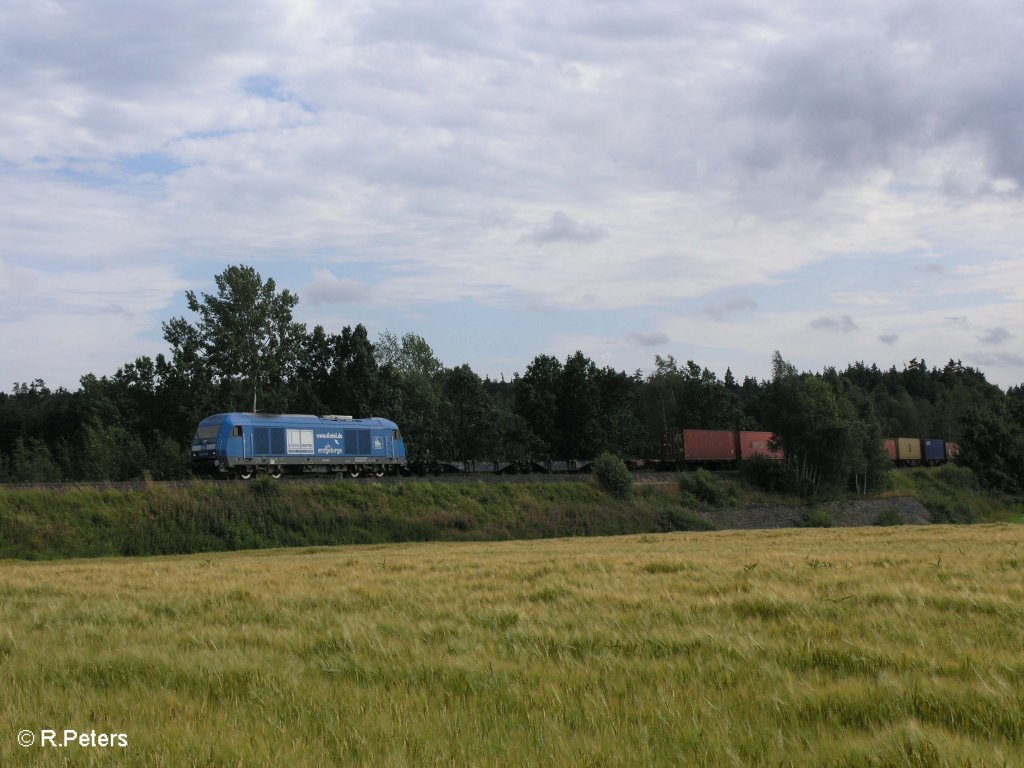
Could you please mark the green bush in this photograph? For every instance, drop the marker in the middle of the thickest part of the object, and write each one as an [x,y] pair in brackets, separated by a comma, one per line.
[946,510]
[683,520]
[707,488]
[957,477]
[816,517]
[768,475]
[613,475]
[889,516]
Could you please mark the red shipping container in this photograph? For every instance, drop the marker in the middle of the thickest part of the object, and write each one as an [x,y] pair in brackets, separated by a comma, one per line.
[952,450]
[709,445]
[889,444]
[755,444]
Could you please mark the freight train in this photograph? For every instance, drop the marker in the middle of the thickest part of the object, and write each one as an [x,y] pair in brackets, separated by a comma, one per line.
[244,444]
[912,451]
[692,447]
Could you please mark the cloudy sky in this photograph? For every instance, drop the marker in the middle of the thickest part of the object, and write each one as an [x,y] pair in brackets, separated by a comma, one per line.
[712,180]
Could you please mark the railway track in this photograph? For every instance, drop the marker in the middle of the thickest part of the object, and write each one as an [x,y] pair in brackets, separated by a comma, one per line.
[643,478]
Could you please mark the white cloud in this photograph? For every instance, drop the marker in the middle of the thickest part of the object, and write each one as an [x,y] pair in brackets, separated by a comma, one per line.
[59,326]
[586,157]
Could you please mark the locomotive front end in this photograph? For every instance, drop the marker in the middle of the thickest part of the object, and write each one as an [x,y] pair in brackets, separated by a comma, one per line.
[205,445]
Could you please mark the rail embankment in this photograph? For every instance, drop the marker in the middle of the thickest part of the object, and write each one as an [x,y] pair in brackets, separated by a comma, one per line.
[157,519]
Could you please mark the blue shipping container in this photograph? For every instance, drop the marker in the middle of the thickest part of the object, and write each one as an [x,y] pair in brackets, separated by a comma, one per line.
[933,450]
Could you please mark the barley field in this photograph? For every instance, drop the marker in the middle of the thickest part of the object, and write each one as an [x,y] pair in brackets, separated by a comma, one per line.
[853,647]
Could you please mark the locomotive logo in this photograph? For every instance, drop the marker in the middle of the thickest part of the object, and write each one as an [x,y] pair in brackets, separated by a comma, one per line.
[330,444]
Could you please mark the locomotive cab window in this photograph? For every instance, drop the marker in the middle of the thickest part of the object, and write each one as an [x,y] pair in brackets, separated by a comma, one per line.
[236,432]
[397,435]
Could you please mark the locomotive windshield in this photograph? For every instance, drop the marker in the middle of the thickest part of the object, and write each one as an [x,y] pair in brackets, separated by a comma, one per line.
[207,433]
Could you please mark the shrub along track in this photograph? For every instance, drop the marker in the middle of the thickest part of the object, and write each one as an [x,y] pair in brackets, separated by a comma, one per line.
[643,478]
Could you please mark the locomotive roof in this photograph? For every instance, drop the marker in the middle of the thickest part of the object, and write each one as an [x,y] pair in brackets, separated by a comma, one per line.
[282,419]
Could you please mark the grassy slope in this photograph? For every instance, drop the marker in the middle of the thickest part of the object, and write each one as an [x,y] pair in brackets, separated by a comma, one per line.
[897,646]
[218,516]
[951,494]
[210,516]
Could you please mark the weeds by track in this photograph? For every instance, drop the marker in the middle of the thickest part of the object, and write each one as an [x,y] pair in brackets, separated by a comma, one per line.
[332,479]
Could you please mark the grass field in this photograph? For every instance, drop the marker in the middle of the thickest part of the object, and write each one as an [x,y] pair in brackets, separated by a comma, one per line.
[859,647]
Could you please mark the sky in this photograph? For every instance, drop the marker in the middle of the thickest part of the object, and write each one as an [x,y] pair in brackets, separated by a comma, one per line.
[709,180]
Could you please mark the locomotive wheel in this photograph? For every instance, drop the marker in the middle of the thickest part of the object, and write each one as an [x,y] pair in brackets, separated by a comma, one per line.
[378,471]
[274,472]
[244,473]
[353,472]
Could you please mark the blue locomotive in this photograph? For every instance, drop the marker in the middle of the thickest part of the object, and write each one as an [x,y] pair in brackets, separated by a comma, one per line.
[242,444]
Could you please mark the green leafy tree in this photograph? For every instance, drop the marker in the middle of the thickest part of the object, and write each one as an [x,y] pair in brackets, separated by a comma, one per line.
[337,373]
[31,461]
[618,408]
[688,397]
[355,373]
[410,392]
[244,340]
[473,419]
[827,427]
[993,444]
[537,394]
[581,424]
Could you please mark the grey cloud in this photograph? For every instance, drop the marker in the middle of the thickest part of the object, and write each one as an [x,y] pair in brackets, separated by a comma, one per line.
[115,309]
[128,49]
[999,358]
[894,80]
[728,308]
[994,336]
[842,324]
[652,339]
[564,228]
[328,289]
[457,25]
[888,338]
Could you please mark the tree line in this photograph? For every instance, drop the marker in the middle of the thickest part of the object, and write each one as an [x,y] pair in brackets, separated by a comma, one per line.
[241,349]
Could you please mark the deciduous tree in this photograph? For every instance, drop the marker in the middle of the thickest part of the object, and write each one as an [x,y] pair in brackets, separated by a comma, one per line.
[244,338]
